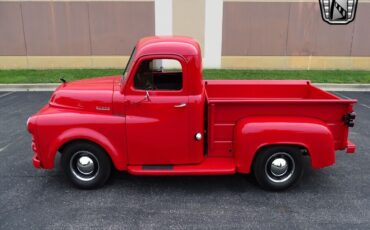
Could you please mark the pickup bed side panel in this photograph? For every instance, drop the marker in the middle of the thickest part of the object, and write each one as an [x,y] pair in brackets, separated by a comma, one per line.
[251,134]
[107,131]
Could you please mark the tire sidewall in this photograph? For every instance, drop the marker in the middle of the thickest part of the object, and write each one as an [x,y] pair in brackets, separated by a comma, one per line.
[261,161]
[101,156]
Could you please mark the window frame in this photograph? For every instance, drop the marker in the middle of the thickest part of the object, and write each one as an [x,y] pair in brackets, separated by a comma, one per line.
[132,90]
[129,63]
[153,73]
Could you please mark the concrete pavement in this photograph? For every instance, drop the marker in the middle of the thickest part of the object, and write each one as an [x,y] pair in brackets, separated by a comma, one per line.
[332,198]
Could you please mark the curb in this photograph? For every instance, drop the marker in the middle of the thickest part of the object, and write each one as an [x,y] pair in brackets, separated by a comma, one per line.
[52,87]
[344,87]
[29,87]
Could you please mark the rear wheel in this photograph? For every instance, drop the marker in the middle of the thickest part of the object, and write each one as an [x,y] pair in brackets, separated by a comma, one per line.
[86,165]
[278,167]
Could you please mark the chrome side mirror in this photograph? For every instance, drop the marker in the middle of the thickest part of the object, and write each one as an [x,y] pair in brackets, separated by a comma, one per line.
[147,97]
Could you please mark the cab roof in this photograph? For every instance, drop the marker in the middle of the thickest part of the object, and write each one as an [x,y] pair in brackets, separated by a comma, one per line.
[185,47]
[178,45]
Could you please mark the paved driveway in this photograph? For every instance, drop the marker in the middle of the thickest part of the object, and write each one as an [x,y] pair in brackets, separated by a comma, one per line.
[337,197]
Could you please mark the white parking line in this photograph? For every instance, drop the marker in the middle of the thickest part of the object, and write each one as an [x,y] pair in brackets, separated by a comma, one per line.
[5,147]
[6,94]
[344,96]
[341,95]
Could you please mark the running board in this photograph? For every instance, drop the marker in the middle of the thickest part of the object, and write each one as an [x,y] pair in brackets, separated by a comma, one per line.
[209,166]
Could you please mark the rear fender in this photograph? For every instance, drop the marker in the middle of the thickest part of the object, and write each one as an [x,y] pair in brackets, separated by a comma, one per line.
[69,135]
[252,134]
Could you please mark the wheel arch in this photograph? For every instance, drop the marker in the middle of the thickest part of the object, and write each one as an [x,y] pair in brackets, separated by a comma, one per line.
[75,141]
[300,146]
[87,135]
[254,134]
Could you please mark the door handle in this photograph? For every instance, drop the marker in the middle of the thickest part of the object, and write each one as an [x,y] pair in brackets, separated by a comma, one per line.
[180,105]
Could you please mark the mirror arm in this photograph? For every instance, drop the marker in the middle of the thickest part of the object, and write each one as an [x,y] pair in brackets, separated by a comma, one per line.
[147,97]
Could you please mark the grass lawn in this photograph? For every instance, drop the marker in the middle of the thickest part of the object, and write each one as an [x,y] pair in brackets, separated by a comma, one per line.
[317,76]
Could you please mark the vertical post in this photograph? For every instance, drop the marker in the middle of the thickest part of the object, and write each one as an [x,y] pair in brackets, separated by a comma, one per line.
[213,33]
[163,22]
[163,17]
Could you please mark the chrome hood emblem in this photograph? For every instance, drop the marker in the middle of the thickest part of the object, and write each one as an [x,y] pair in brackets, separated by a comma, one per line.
[102,108]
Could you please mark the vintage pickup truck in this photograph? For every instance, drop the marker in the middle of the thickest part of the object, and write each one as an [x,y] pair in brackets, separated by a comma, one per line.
[161,118]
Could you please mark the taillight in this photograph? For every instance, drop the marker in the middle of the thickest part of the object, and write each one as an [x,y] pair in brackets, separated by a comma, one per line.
[349,119]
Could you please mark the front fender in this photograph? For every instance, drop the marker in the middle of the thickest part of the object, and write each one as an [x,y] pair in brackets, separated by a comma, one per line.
[254,133]
[84,134]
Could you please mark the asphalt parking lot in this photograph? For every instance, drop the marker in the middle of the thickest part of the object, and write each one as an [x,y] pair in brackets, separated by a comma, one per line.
[337,197]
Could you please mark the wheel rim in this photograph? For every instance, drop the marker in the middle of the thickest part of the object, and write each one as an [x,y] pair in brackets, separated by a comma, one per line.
[280,167]
[84,165]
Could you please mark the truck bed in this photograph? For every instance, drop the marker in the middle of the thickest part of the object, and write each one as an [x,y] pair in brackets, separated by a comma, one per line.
[231,100]
[241,90]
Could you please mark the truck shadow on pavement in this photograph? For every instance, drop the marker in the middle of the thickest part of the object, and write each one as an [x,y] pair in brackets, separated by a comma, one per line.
[238,183]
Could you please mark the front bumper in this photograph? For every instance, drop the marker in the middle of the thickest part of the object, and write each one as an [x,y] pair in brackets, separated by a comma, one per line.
[351,147]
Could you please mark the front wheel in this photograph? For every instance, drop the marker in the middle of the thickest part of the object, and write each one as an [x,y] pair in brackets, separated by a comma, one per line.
[278,167]
[86,165]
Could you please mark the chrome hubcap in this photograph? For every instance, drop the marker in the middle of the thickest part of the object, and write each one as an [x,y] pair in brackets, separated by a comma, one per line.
[84,165]
[279,167]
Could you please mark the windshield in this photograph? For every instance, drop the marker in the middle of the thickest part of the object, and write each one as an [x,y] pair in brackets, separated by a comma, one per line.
[129,63]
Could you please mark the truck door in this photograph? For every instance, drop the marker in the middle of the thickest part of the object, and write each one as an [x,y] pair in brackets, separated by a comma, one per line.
[157,115]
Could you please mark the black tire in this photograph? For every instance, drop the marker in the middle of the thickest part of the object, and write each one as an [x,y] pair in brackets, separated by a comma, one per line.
[278,168]
[86,165]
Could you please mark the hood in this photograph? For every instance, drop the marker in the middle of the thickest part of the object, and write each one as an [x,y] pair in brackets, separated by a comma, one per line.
[94,95]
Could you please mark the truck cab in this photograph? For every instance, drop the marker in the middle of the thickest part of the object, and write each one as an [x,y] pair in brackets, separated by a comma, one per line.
[164,101]
[161,118]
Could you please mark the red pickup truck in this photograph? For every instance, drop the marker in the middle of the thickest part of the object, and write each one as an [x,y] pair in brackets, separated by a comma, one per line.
[161,118]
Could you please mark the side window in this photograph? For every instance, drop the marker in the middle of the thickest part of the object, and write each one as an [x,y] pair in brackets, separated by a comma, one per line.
[159,74]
